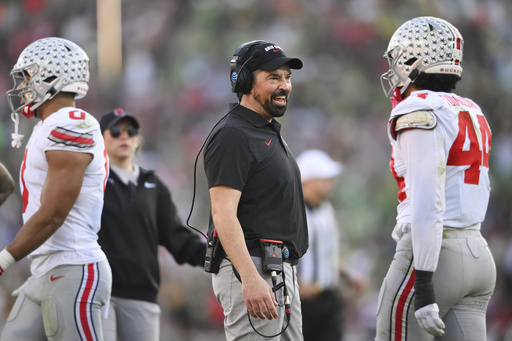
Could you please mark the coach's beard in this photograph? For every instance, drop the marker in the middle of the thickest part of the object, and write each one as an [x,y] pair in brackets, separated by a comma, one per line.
[273,109]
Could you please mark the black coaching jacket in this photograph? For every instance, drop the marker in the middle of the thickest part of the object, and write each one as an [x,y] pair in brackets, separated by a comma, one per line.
[135,220]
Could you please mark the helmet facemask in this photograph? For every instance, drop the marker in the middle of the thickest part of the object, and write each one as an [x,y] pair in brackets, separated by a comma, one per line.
[391,79]
[394,84]
[26,96]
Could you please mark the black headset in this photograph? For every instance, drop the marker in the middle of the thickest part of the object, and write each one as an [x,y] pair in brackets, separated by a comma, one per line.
[241,77]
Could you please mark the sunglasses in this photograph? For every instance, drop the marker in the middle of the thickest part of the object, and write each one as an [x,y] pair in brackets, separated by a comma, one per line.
[115,132]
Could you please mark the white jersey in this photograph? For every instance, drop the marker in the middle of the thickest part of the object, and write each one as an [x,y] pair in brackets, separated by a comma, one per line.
[442,174]
[75,242]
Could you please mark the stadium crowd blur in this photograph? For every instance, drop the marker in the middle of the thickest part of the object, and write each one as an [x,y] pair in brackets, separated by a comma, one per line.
[175,79]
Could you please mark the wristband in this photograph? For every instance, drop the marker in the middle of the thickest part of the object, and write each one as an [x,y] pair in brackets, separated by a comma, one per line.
[423,289]
[6,260]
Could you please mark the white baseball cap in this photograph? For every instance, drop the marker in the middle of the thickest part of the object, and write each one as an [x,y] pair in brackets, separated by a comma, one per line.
[316,164]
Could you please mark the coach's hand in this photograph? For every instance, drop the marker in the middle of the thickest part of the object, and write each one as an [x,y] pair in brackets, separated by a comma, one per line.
[259,298]
[426,309]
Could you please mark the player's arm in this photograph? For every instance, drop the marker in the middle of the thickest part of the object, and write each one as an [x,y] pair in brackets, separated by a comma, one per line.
[422,149]
[61,188]
[425,158]
[6,183]
[256,292]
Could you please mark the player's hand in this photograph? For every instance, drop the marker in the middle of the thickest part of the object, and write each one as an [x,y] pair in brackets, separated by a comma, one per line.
[425,306]
[429,320]
[259,298]
[6,260]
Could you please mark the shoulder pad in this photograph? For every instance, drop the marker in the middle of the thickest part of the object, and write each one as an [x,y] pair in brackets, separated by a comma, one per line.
[417,119]
[414,120]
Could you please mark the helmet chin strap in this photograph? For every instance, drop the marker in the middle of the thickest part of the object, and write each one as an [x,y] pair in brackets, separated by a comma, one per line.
[398,93]
[396,98]
[16,138]
[29,110]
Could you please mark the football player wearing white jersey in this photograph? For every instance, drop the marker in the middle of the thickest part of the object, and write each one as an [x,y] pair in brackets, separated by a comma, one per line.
[442,275]
[62,181]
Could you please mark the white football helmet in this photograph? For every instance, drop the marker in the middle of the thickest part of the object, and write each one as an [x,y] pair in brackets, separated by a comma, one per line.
[45,68]
[423,44]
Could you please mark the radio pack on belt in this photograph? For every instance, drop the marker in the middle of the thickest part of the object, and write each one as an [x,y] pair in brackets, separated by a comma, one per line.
[213,253]
[271,255]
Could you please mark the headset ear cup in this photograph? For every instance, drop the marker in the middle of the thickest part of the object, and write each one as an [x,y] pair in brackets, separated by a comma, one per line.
[245,81]
[240,76]
[234,80]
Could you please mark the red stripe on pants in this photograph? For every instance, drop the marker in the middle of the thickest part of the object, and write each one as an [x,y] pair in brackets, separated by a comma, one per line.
[399,316]
[84,303]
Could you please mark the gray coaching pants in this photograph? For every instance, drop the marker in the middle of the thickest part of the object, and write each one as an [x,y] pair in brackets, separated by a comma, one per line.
[132,320]
[463,282]
[228,290]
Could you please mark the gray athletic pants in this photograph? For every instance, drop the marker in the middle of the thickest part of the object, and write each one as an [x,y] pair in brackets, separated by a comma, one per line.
[132,320]
[463,282]
[228,290]
[62,305]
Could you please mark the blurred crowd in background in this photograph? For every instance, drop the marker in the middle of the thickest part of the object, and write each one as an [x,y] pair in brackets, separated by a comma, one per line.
[174,79]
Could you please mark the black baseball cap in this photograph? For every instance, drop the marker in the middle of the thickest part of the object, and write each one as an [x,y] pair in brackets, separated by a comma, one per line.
[111,118]
[269,58]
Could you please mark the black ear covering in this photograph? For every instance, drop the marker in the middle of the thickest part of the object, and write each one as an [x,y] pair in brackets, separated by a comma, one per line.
[245,81]
[240,75]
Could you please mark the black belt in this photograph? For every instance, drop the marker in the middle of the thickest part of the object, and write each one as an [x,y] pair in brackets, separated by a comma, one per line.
[256,252]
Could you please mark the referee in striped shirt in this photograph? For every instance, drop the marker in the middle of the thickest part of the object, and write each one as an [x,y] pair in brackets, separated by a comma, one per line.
[318,271]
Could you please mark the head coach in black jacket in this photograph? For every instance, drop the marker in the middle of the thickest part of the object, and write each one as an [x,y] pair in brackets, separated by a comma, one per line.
[138,216]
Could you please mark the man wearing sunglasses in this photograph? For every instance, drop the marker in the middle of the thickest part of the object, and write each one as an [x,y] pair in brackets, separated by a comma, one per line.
[138,216]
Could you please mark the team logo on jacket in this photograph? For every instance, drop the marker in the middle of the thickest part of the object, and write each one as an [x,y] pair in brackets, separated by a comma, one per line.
[149,185]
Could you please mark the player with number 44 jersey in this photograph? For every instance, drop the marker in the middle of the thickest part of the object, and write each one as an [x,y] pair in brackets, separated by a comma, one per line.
[442,275]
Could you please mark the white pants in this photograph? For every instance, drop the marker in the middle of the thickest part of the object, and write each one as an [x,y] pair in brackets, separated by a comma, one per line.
[228,290]
[463,282]
[62,305]
[132,320]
